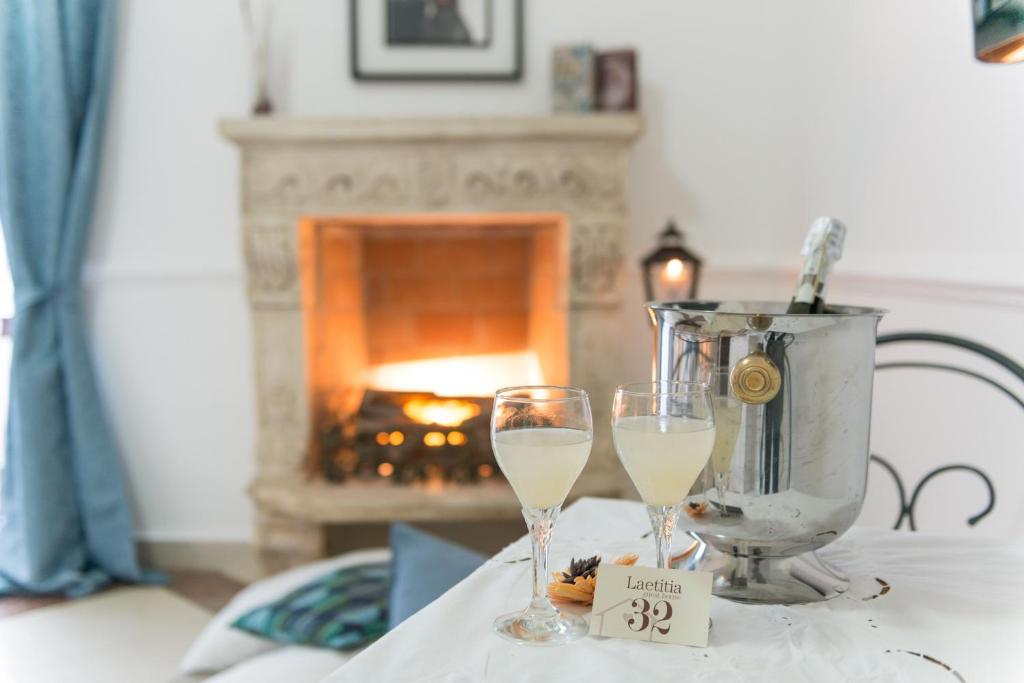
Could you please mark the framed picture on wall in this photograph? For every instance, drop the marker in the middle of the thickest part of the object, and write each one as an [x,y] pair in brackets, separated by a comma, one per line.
[436,40]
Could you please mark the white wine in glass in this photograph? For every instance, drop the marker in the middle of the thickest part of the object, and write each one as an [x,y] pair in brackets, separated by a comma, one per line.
[728,415]
[664,433]
[541,437]
[542,464]
[663,454]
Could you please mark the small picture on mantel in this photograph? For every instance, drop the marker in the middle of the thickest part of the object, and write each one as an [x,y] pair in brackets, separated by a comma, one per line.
[436,40]
[572,78]
[616,80]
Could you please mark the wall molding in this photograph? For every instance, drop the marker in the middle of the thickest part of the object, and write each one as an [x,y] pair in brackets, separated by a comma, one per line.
[965,293]
[225,537]
[997,296]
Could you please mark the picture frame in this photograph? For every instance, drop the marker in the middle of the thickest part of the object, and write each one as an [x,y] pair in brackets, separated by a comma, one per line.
[436,40]
[572,78]
[617,88]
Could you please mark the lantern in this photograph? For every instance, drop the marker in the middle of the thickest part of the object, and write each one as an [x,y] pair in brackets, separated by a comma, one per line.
[671,271]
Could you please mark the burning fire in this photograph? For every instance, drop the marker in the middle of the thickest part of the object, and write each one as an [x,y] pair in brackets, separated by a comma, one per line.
[434,439]
[478,375]
[445,412]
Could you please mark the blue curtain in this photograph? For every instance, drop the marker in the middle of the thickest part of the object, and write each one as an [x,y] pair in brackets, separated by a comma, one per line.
[64,523]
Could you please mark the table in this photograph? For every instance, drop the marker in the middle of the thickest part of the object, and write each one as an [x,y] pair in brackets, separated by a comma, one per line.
[954,611]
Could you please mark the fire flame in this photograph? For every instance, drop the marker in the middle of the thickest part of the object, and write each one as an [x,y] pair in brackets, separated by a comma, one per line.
[450,412]
[456,376]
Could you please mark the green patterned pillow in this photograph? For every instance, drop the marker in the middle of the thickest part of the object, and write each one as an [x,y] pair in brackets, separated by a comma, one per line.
[346,609]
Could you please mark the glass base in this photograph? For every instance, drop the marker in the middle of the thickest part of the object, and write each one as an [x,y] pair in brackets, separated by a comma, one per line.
[553,630]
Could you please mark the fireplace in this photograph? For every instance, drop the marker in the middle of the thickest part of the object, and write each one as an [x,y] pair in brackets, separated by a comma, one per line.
[411,322]
[398,272]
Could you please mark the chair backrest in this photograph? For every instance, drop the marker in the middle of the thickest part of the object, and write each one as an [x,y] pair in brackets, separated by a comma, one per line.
[907,505]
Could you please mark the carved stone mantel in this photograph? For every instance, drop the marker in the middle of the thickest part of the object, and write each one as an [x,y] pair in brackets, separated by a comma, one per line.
[601,128]
[290,168]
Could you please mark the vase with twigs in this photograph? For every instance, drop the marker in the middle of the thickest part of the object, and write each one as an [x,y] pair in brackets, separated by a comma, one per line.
[257,27]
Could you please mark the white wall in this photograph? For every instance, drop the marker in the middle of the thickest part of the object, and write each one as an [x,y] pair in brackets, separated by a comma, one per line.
[760,116]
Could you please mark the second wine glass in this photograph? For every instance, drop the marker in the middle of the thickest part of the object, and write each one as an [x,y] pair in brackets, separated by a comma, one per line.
[664,433]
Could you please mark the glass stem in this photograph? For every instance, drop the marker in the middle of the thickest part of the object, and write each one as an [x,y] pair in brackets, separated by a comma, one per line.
[541,522]
[663,521]
[721,481]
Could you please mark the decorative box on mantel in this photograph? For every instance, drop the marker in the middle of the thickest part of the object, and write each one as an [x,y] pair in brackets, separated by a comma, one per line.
[376,247]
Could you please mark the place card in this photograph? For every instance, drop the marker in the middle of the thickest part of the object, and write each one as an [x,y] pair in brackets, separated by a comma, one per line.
[658,605]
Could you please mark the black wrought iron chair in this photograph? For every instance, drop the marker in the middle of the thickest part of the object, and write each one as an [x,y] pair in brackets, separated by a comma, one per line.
[907,506]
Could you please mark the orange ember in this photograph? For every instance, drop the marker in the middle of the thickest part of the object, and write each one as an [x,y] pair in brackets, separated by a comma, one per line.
[449,412]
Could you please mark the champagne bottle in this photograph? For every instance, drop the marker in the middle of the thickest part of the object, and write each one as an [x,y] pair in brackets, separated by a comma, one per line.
[822,247]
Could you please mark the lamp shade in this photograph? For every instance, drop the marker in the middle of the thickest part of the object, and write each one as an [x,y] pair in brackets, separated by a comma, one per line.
[999,31]
[671,272]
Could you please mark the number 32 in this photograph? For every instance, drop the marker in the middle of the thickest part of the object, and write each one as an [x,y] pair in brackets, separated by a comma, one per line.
[645,617]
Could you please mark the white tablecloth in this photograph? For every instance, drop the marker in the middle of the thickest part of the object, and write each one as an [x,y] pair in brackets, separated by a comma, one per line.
[957,600]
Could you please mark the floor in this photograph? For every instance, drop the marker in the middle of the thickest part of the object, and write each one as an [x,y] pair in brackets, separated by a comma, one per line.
[134,634]
[209,590]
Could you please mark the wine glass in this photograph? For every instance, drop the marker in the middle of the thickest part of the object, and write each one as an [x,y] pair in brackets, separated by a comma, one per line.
[664,433]
[728,416]
[541,437]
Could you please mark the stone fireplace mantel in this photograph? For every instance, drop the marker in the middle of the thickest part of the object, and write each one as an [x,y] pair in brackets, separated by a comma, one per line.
[562,127]
[294,169]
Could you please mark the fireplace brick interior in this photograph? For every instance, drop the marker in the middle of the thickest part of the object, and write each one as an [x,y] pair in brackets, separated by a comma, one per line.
[381,290]
[442,294]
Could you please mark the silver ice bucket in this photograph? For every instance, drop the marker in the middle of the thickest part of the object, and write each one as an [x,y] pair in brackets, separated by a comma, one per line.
[793,419]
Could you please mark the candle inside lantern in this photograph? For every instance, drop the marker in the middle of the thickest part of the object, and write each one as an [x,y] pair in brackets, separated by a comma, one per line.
[675,280]
[675,271]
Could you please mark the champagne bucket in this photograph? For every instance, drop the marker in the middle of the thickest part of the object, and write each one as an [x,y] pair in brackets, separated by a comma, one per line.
[793,416]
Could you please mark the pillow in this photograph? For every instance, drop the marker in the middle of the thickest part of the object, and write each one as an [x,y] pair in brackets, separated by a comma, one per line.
[294,664]
[423,568]
[343,610]
[219,645]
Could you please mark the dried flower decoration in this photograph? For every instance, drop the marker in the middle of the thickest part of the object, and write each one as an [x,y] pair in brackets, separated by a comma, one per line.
[697,509]
[583,569]
[578,582]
